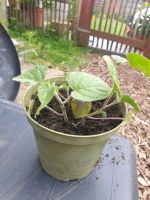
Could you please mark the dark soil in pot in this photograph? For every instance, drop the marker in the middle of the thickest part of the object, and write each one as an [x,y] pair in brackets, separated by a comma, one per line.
[74,127]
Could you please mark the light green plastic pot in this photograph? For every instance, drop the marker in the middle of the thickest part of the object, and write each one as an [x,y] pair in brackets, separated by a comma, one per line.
[67,157]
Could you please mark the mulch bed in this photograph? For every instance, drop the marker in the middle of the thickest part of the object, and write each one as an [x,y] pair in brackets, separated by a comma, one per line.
[138,86]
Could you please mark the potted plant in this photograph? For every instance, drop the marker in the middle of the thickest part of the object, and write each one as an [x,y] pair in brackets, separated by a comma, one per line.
[73,117]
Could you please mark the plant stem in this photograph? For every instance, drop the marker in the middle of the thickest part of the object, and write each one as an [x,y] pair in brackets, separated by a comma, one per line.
[108,118]
[49,108]
[108,99]
[62,106]
[67,100]
[83,121]
[62,96]
[104,106]
[101,109]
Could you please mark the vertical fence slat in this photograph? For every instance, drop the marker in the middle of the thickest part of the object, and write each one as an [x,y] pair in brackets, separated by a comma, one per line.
[94,27]
[55,11]
[147,48]
[37,20]
[85,22]
[64,10]
[123,20]
[112,16]
[100,24]
[31,14]
[68,19]
[111,23]
[106,23]
[118,16]
[101,16]
[51,13]
[47,10]
[23,7]
[59,10]
[28,20]
[135,10]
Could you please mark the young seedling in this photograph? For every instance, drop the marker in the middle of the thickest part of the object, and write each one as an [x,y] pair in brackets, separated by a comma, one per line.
[81,90]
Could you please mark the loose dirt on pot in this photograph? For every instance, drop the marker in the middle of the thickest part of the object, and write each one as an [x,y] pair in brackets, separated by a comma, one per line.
[74,127]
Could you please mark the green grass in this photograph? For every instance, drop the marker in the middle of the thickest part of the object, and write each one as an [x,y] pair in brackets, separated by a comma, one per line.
[44,48]
[96,21]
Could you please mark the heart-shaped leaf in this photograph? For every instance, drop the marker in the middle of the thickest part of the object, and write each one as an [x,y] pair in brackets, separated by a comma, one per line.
[46,91]
[80,109]
[33,76]
[139,62]
[87,87]
[129,100]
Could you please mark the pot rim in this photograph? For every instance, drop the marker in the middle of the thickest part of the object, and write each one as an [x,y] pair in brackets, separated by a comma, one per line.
[67,135]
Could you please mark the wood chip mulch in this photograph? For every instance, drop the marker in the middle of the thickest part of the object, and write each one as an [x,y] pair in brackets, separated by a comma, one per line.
[138,86]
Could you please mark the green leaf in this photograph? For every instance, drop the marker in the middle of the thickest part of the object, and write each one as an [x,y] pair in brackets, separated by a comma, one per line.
[46,91]
[87,87]
[130,100]
[119,59]
[33,76]
[111,68]
[113,73]
[80,109]
[139,62]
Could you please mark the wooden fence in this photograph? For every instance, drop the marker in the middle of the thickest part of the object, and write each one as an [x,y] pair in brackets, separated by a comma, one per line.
[46,14]
[118,26]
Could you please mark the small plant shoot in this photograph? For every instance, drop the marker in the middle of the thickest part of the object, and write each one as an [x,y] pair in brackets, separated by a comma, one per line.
[81,90]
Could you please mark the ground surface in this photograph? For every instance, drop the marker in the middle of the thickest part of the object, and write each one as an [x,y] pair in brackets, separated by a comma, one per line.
[135,84]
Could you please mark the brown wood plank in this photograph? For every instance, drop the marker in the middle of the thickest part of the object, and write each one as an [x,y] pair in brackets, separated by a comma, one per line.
[147,48]
[86,14]
[85,21]
[139,44]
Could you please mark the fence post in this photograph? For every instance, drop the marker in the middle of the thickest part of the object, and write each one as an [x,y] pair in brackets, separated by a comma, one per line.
[147,48]
[84,22]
